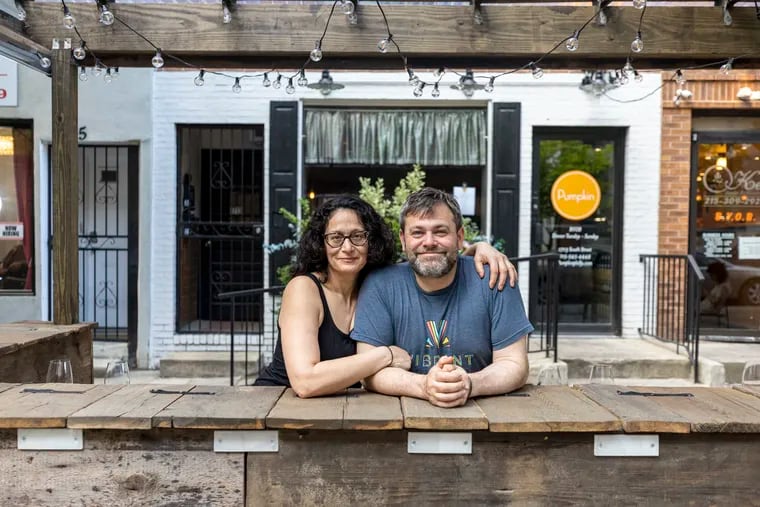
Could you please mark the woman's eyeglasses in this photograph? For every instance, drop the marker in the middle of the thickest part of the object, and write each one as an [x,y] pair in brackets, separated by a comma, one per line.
[336,239]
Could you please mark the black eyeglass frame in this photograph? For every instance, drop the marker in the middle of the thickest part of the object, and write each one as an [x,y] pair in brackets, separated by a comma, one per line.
[357,238]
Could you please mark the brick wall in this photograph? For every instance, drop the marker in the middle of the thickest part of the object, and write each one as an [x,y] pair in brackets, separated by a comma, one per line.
[710,91]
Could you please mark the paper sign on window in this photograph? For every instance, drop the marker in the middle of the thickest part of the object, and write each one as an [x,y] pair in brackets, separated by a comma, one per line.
[575,195]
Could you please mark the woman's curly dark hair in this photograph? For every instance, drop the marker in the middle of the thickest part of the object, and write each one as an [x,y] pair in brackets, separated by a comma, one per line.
[311,255]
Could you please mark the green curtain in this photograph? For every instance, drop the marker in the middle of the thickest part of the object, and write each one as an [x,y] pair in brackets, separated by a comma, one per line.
[428,137]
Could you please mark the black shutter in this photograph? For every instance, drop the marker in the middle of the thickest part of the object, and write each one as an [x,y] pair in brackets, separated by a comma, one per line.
[506,175]
[283,173]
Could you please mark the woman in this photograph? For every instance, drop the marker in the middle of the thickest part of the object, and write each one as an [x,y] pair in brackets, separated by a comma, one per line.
[315,355]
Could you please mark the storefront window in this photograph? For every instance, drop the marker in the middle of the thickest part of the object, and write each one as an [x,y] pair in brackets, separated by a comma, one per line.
[728,234]
[16,210]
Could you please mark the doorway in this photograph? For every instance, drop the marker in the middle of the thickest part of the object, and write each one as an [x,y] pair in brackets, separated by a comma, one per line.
[577,209]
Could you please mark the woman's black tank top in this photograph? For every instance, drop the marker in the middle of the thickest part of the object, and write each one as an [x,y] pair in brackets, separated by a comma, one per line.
[333,344]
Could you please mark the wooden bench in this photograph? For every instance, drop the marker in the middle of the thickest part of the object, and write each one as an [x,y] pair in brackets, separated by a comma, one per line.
[26,348]
[155,445]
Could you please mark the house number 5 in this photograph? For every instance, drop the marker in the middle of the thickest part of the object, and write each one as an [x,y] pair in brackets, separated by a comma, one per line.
[82,133]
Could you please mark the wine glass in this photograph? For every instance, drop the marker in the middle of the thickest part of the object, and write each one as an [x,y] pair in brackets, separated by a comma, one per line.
[601,374]
[60,372]
[117,372]
[751,373]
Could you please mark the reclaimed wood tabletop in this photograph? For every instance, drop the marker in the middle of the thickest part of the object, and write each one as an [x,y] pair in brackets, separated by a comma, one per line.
[220,407]
[371,411]
[421,415]
[47,405]
[546,409]
[292,412]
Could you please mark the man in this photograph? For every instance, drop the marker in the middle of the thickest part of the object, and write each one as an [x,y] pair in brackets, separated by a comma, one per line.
[465,339]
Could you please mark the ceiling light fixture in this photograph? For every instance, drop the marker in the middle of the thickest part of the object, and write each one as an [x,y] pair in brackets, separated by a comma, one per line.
[326,85]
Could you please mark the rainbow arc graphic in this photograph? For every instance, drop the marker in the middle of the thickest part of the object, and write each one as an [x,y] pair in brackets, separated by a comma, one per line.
[436,334]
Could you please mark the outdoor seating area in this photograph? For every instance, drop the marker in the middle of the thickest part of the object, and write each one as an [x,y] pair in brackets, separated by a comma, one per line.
[220,445]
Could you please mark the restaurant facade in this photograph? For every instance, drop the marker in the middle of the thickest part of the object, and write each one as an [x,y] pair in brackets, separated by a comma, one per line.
[205,170]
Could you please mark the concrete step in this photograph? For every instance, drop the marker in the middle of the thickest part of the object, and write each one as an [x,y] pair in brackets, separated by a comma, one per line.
[206,364]
[674,367]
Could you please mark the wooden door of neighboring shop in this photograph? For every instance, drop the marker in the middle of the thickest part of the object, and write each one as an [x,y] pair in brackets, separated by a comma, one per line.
[577,212]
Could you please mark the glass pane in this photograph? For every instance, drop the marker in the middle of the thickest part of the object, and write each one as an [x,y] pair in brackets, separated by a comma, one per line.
[16,210]
[584,243]
[728,234]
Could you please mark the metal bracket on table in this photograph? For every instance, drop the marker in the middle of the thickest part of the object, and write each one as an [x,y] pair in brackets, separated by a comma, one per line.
[50,439]
[439,443]
[247,441]
[626,445]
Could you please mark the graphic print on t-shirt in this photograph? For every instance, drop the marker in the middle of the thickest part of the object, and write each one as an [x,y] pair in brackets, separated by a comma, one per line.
[438,344]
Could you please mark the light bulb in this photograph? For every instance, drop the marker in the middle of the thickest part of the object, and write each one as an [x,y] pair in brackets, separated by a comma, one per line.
[623,78]
[572,42]
[79,52]
[347,7]
[290,89]
[352,18]
[82,74]
[418,90]
[199,81]
[158,60]
[676,100]
[106,16]
[489,86]
[97,70]
[436,92]
[302,81]
[639,4]
[680,78]
[468,92]
[638,77]
[115,73]
[726,67]
[226,14]
[437,73]
[277,82]
[236,87]
[108,77]
[68,20]
[316,53]
[638,44]
[382,46]
[537,71]
[266,82]
[45,62]
[21,14]
[628,67]
[413,80]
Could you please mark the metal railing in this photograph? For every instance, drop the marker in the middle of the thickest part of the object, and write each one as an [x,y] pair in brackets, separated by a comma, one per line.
[672,292]
[253,319]
[544,301]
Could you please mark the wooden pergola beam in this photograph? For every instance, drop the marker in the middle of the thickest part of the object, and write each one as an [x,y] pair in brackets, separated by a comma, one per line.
[268,35]
[19,47]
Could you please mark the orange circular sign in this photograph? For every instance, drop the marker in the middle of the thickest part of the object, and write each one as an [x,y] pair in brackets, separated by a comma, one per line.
[576,195]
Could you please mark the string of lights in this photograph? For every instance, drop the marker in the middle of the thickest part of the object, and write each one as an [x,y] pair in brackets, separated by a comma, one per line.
[468,82]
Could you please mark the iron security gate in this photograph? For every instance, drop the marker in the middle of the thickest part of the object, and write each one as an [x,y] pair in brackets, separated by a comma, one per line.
[108,228]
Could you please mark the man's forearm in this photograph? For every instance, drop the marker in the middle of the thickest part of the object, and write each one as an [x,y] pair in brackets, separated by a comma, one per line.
[397,382]
[499,378]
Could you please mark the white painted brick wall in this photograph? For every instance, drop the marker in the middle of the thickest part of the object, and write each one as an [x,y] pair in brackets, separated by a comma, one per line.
[554,100]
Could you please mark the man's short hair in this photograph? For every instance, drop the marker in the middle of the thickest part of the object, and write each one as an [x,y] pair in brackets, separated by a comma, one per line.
[422,202]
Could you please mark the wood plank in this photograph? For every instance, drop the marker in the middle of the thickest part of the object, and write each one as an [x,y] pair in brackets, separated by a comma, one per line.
[20,408]
[131,407]
[373,468]
[712,410]
[194,31]
[638,414]
[546,409]
[292,412]
[420,414]
[230,407]
[5,387]
[124,468]
[372,411]
[746,388]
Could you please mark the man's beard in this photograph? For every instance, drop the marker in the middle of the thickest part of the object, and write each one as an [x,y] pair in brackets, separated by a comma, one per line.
[433,267]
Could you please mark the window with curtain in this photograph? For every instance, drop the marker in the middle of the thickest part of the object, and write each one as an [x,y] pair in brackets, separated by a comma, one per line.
[435,137]
[16,210]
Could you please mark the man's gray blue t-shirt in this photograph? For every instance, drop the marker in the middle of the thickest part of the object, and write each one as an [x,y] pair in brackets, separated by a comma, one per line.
[466,320]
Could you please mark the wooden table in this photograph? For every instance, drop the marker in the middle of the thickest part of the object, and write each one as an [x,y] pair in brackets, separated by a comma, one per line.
[155,445]
[26,348]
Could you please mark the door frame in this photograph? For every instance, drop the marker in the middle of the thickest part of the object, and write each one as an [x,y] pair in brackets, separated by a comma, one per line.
[618,136]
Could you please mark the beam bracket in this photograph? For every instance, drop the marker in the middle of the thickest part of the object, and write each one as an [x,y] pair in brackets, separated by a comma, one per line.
[477,13]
